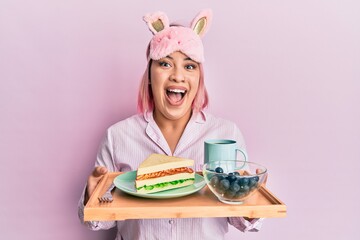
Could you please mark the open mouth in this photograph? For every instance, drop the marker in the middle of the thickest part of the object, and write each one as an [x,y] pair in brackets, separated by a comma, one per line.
[175,95]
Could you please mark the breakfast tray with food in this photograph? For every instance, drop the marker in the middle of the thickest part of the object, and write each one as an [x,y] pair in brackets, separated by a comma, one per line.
[200,203]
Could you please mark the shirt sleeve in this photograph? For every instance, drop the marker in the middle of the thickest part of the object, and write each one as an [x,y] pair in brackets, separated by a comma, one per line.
[93,225]
[246,226]
[104,158]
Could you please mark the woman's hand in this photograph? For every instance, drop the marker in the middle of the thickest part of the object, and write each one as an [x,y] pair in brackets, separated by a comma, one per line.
[264,184]
[93,181]
[258,171]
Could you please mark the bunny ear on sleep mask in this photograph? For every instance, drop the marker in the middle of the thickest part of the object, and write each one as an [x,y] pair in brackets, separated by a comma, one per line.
[168,39]
[201,23]
[156,21]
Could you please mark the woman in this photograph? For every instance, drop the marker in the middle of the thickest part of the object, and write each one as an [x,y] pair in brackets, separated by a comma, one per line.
[171,101]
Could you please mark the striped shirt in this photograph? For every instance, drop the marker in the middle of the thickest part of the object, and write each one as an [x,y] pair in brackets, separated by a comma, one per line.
[128,142]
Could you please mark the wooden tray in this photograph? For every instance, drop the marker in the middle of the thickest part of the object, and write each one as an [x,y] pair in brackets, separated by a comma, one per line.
[200,204]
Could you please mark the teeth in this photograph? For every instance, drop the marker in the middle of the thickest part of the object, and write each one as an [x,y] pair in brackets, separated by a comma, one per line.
[176,90]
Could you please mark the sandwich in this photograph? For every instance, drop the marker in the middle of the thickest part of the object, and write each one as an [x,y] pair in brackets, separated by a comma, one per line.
[161,172]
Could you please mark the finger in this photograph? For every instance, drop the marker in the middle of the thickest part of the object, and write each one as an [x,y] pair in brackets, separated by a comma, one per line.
[99,171]
[258,171]
[95,178]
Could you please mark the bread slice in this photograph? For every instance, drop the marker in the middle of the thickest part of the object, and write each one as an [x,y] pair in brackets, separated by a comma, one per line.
[159,162]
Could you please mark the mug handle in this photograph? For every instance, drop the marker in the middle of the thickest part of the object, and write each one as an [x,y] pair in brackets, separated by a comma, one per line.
[243,153]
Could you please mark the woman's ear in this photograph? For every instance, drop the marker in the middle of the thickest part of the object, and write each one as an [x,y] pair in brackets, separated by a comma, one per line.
[156,21]
[202,21]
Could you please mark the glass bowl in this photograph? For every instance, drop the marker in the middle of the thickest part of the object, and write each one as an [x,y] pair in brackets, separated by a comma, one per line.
[233,181]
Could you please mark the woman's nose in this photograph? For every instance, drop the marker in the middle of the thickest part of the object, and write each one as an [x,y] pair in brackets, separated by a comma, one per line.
[177,75]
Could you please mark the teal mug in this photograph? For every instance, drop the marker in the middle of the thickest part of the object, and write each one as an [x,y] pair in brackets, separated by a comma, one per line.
[222,149]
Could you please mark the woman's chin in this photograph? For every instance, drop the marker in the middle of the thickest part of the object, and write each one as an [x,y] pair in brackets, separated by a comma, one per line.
[176,113]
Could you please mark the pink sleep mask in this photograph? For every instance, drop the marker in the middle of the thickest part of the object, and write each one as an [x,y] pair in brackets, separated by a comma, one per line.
[168,39]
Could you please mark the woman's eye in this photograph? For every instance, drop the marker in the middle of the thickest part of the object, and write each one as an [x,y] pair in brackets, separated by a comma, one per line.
[190,67]
[164,64]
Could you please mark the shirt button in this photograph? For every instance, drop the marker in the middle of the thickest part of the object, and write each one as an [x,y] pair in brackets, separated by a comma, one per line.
[171,221]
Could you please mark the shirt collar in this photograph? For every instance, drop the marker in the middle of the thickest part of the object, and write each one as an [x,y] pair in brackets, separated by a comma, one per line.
[198,117]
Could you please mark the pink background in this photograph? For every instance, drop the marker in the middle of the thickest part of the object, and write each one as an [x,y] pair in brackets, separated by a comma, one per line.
[287,72]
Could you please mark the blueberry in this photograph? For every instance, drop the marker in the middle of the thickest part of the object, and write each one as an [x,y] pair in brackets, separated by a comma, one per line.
[236,173]
[244,189]
[231,177]
[214,181]
[240,195]
[253,181]
[219,170]
[224,184]
[234,187]
[242,181]
[221,176]
[256,178]
[229,194]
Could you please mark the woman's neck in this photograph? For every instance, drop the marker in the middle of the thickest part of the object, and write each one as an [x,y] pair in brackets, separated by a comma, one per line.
[172,129]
